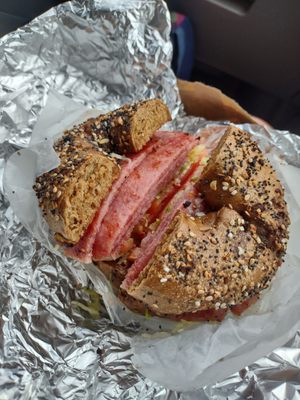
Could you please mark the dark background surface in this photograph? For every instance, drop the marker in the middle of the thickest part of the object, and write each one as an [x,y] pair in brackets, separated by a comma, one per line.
[249,49]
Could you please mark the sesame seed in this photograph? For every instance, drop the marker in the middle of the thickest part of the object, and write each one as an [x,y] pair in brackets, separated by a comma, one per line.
[213,185]
[247,197]
[209,298]
[167,269]
[120,121]
[197,303]
[252,228]
[242,228]
[223,306]
[163,280]
[230,235]
[54,189]
[234,192]
[181,274]
[103,141]
[241,251]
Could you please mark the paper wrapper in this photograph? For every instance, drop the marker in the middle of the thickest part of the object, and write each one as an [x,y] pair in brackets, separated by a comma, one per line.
[57,341]
[209,102]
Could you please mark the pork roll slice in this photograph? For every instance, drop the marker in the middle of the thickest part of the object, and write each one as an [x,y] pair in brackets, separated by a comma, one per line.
[138,191]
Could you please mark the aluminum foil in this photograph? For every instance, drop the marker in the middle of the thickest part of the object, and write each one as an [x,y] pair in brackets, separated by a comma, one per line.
[57,340]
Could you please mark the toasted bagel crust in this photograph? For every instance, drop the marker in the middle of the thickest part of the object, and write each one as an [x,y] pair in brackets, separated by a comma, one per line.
[238,174]
[205,263]
[130,127]
[70,194]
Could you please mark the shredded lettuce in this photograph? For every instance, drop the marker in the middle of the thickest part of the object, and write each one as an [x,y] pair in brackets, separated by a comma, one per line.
[195,153]
[182,325]
[91,307]
[205,160]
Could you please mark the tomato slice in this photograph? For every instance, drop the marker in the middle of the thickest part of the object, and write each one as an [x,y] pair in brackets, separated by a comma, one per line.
[159,205]
[238,309]
[215,315]
[203,315]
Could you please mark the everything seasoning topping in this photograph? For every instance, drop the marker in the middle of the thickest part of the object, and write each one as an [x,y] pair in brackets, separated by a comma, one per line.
[217,276]
[249,184]
[107,134]
[73,150]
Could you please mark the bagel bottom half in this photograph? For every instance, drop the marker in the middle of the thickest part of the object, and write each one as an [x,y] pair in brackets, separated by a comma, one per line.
[206,264]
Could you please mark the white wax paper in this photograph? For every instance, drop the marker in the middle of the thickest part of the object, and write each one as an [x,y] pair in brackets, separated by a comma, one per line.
[184,356]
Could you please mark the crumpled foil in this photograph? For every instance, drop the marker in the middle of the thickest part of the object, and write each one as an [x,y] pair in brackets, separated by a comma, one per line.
[57,340]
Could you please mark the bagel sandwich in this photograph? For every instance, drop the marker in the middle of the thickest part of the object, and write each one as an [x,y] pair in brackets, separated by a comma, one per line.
[181,230]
